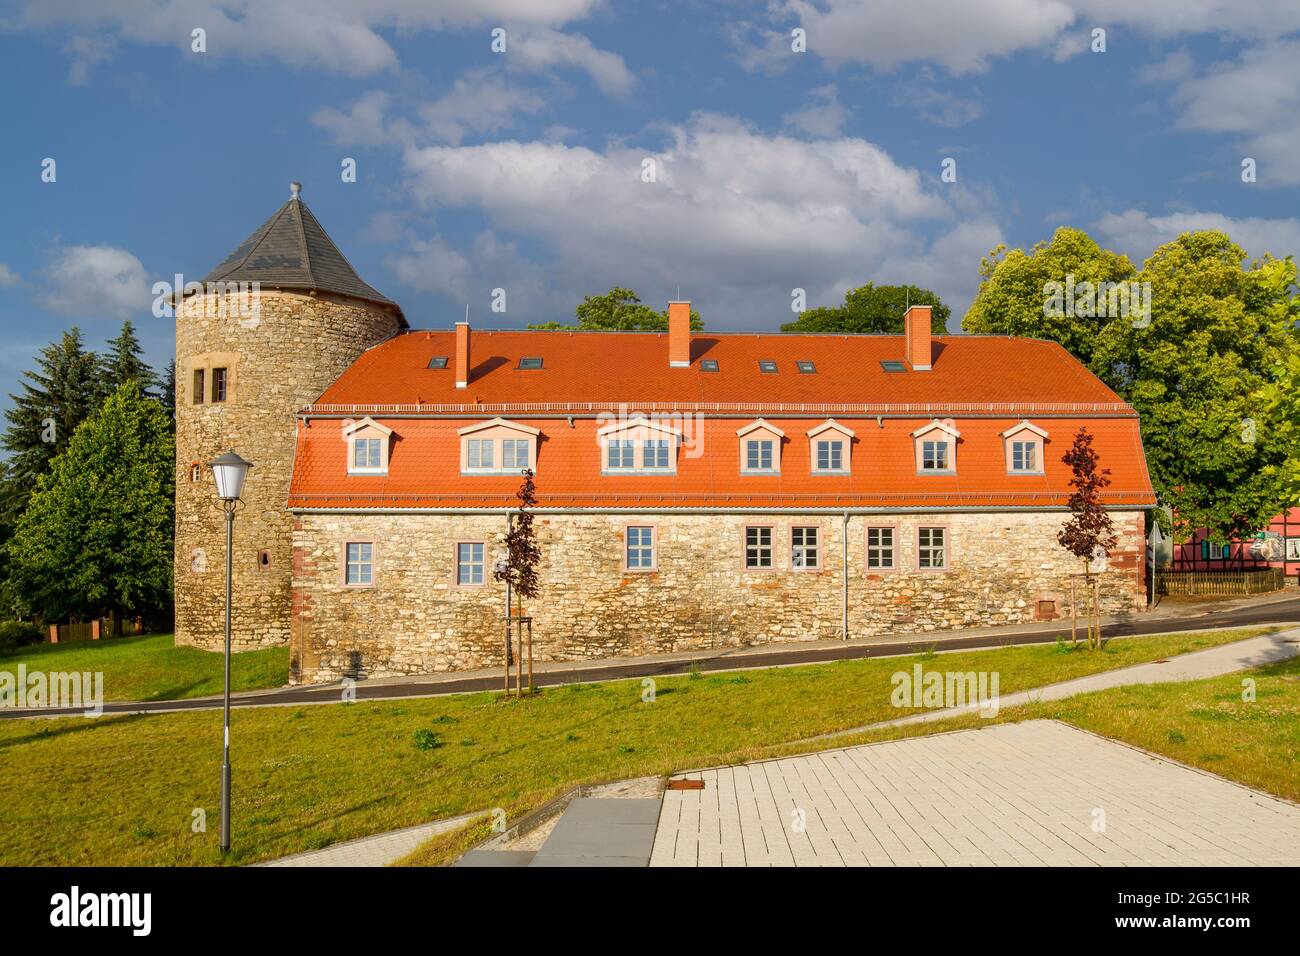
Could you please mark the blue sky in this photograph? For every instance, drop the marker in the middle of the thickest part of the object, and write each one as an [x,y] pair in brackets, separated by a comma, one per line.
[522,170]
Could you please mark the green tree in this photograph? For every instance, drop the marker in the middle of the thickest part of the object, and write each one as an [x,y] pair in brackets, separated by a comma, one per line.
[123,362]
[1016,288]
[618,310]
[873,308]
[1208,375]
[57,396]
[167,390]
[1204,360]
[97,534]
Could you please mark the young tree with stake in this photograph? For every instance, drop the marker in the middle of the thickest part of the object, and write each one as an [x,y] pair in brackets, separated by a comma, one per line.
[1089,534]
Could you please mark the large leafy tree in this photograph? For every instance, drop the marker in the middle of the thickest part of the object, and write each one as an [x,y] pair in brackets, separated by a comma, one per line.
[873,308]
[123,362]
[97,534]
[1207,375]
[1206,369]
[57,396]
[618,310]
[1016,288]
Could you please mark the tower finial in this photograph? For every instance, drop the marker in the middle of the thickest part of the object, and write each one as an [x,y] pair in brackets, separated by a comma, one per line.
[294,190]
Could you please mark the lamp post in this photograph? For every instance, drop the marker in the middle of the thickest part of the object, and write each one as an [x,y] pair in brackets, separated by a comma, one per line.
[228,472]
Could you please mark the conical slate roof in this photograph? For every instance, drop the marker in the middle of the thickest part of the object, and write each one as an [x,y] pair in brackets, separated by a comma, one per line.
[291,250]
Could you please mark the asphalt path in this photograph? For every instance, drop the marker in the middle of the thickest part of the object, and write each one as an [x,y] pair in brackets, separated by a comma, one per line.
[1273,612]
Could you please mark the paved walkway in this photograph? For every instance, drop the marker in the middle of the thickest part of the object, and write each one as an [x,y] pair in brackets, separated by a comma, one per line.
[1280,608]
[1029,794]
[1225,659]
[379,850]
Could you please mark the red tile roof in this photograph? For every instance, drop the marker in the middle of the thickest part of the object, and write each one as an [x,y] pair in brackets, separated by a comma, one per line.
[986,384]
[632,367]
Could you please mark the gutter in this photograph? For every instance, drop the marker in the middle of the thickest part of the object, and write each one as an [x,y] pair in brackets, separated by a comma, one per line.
[844,543]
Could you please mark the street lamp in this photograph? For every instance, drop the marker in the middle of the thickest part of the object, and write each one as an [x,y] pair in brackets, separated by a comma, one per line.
[228,472]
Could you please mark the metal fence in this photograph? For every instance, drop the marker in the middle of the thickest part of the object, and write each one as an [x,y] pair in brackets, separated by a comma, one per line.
[1220,583]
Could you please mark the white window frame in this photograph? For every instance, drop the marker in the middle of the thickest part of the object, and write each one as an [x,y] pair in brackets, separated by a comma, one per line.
[498,432]
[927,550]
[471,564]
[362,564]
[645,546]
[760,431]
[881,548]
[799,548]
[760,548]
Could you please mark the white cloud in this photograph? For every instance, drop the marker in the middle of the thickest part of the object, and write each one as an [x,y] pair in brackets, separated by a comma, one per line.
[479,102]
[86,54]
[822,116]
[338,35]
[955,34]
[934,105]
[540,48]
[1138,234]
[97,281]
[1258,96]
[964,36]
[8,277]
[736,218]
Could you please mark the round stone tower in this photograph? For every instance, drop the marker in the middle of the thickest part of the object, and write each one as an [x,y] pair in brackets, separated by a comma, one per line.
[274,325]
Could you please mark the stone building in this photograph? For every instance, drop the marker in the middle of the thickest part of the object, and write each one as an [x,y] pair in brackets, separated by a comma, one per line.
[695,489]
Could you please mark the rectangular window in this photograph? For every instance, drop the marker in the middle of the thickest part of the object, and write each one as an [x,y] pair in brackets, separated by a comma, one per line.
[880,549]
[360,563]
[218,384]
[1024,456]
[480,453]
[640,548]
[654,454]
[804,550]
[758,454]
[830,456]
[514,453]
[469,562]
[758,547]
[196,395]
[930,550]
[620,454]
[934,455]
[365,453]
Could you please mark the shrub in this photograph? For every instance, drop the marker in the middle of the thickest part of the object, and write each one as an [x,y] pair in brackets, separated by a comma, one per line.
[14,634]
[426,739]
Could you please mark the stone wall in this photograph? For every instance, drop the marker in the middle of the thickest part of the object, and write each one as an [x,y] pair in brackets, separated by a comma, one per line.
[280,357]
[415,618]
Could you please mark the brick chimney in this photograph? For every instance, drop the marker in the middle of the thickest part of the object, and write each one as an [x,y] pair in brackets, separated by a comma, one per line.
[916,335]
[462,354]
[679,334]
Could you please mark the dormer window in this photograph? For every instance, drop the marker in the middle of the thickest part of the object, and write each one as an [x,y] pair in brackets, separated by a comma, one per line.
[829,446]
[1024,449]
[368,443]
[365,454]
[760,449]
[497,447]
[936,448]
[639,446]
[934,455]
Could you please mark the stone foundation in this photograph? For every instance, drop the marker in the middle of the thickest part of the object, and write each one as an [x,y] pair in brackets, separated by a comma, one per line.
[415,619]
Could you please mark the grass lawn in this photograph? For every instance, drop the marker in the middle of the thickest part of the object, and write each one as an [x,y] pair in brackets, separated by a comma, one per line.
[149,667]
[123,789]
[1204,723]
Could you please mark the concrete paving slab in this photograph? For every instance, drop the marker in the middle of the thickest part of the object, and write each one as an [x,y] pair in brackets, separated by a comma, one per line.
[1038,793]
[602,832]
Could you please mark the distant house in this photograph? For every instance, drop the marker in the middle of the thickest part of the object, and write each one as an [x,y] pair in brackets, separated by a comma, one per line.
[695,489]
[1277,545]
